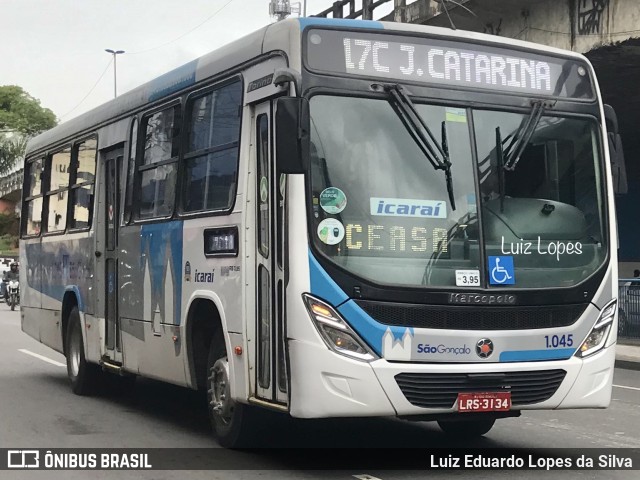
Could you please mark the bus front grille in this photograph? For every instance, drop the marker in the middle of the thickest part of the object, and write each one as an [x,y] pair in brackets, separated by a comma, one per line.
[440,390]
[473,318]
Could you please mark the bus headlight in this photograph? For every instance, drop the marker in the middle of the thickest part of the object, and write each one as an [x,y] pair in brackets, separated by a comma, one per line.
[600,331]
[335,332]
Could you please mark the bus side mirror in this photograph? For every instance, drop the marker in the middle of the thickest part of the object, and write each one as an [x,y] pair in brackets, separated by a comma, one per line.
[616,153]
[293,126]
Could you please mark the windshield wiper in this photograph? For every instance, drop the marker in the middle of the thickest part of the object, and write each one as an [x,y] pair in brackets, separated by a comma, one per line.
[437,153]
[447,165]
[522,136]
[500,157]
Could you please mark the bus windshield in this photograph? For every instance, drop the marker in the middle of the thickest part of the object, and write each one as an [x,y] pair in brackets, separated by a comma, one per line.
[382,212]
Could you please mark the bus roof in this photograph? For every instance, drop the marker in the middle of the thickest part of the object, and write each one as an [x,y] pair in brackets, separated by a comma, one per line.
[239,52]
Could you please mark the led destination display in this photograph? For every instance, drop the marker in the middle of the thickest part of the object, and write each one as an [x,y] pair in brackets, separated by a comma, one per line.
[445,62]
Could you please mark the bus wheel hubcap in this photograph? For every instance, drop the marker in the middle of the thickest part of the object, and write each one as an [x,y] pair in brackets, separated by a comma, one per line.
[221,402]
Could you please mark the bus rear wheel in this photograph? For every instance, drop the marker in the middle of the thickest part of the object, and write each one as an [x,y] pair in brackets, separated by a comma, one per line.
[231,421]
[466,428]
[84,376]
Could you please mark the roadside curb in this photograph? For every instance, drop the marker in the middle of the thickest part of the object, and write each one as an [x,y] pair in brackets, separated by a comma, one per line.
[627,364]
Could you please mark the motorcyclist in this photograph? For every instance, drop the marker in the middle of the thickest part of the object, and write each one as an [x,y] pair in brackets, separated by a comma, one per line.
[11,274]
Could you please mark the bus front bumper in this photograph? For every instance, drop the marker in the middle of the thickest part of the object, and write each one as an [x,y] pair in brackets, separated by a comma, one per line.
[325,384]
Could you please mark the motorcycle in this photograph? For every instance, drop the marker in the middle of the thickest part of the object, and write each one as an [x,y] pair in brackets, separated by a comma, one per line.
[13,291]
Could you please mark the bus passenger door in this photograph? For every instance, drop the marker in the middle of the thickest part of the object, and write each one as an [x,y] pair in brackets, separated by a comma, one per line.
[271,371]
[112,167]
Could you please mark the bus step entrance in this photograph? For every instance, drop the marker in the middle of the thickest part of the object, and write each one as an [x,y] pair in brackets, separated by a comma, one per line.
[110,365]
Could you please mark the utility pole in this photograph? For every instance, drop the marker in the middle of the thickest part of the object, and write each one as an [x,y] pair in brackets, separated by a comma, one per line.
[115,75]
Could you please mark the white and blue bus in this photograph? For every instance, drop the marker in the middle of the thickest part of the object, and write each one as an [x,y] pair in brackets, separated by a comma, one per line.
[334,218]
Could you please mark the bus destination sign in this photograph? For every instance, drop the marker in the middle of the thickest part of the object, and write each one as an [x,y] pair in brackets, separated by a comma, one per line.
[446,62]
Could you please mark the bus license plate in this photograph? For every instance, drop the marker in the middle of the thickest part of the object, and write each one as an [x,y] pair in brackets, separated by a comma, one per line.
[484,402]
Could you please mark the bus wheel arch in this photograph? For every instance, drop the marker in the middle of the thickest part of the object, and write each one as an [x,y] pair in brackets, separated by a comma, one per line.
[235,424]
[69,301]
[203,320]
[210,370]
[83,376]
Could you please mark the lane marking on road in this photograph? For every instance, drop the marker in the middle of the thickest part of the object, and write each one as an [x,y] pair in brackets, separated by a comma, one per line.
[365,477]
[628,388]
[42,357]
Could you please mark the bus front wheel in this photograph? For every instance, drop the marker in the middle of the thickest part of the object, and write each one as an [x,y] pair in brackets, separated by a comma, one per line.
[231,421]
[466,428]
[82,374]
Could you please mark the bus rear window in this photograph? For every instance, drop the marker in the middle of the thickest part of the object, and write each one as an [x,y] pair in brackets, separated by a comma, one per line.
[32,220]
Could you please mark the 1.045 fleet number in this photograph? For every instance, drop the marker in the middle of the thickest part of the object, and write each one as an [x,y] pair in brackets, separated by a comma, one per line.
[555,341]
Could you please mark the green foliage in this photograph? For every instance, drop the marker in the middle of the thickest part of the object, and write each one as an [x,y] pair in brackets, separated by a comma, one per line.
[9,224]
[8,244]
[21,117]
[21,113]
[11,149]
[9,228]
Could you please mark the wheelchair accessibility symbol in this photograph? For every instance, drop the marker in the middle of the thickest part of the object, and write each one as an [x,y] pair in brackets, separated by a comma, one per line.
[501,271]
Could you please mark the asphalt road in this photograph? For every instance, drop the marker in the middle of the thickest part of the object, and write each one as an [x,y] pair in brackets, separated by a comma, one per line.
[37,409]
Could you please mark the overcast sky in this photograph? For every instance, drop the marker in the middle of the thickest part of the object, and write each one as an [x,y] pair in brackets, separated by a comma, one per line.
[54,49]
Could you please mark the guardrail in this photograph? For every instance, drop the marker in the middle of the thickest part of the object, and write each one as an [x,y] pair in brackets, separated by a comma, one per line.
[365,12]
[629,308]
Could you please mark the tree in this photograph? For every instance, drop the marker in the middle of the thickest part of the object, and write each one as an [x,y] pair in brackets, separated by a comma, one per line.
[21,117]
[12,148]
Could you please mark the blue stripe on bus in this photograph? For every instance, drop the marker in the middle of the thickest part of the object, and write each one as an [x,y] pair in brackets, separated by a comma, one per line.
[76,291]
[322,285]
[367,328]
[371,331]
[532,355]
[161,251]
[173,81]
[338,22]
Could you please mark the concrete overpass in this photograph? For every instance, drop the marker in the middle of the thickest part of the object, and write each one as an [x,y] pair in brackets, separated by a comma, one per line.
[11,189]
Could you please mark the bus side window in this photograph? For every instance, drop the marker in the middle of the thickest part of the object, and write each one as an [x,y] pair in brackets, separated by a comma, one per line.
[159,163]
[32,221]
[131,170]
[57,195]
[211,156]
[82,188]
